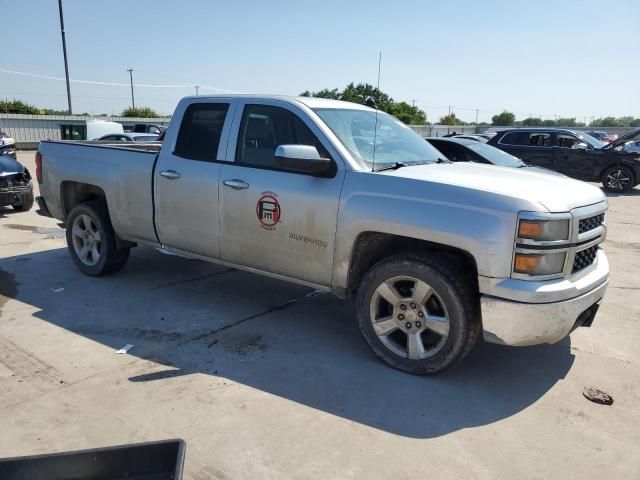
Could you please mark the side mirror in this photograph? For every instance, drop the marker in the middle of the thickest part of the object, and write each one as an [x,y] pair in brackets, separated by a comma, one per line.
[303,159]
[579,146]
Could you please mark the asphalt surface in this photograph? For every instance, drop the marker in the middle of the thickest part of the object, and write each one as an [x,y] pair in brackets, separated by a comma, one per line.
[264,379]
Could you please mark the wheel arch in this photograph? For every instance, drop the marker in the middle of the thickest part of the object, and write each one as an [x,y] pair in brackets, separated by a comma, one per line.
[371,247]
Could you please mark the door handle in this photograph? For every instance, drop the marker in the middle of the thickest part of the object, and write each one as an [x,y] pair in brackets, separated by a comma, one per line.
[170,174]
[236,184]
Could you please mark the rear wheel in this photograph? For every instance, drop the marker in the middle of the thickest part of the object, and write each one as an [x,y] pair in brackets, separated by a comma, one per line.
[92,242]
[418,314]
[618,179]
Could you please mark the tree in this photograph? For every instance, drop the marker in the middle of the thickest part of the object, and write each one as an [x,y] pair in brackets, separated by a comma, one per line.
[532,122]
[450,119]
[324,93]
[140,112]
[635,122]
[365,93]
[408,114]
[606,122]
[504,119]
[17,106]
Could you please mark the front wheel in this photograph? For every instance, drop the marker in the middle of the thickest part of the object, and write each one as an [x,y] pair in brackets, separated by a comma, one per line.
[418,314]
[618,179]
[24,203]
[92,242]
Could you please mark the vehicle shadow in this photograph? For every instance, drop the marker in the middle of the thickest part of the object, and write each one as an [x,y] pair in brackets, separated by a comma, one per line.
[633,192]
[194,317]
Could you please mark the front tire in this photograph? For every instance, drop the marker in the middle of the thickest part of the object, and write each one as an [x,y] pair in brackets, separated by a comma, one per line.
[618,179]
[92,242]
[25,204]
[419,314]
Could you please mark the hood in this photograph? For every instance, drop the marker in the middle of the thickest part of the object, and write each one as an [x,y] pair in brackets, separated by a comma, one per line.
[554,192]
[624,139]
[8,165]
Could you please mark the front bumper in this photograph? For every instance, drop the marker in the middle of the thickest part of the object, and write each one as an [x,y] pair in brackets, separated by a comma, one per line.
[11,195]
[508,320]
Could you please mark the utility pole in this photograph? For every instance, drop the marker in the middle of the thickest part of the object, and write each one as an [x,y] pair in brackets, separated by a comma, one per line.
[477,110]
[197,89]
[449,109]
[64,52]
[133,102]
[413,102]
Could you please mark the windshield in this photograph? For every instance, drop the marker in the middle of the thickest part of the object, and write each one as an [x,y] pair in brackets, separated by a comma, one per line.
[394,141]
[495,155]
[594,142]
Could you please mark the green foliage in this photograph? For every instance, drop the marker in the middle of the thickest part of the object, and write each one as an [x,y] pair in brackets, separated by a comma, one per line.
[450,119]
[616,122]
[17,106]
[532,122]
[141,112]
[362,92]
[504,119]
[408,114]
[333,94]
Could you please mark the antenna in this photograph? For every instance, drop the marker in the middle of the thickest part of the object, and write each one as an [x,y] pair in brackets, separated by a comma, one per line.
[375,128]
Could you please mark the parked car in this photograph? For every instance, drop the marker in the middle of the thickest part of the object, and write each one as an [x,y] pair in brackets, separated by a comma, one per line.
[16,187]
[576,154]
[340,197]
[148,128]
[461,150]
[475,138]
[632,146]
[130,137]
[7,145]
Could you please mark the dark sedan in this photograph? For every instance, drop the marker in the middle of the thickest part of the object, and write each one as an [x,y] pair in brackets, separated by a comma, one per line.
[576,154]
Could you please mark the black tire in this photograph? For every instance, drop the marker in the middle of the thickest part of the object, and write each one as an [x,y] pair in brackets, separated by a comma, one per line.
[454,289]
[618,179]
[25,204]
[111,259]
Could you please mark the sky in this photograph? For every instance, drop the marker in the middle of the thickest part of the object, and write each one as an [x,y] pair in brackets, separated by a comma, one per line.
[540,58]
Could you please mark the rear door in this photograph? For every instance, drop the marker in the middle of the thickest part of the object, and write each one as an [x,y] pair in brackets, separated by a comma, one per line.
[186,177]
[272,219]
[534,147]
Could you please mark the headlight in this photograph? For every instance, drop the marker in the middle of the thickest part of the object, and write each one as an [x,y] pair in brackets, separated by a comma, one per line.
[539,264]
[544,230]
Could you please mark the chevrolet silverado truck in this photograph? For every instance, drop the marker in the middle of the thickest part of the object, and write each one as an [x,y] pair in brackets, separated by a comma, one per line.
[341,197]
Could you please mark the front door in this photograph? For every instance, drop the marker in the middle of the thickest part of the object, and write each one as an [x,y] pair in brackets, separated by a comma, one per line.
[272,219]
[186,179]
[572,161]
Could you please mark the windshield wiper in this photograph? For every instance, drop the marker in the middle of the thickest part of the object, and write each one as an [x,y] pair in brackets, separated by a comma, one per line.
[391,166]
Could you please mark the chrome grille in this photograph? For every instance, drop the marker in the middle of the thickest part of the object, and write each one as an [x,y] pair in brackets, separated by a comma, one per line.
[584,258]
[591,223]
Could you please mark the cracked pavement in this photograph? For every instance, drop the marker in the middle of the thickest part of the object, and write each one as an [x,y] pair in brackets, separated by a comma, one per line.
[265,379]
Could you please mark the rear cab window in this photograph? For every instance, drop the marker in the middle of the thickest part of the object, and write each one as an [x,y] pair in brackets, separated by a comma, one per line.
[200,131]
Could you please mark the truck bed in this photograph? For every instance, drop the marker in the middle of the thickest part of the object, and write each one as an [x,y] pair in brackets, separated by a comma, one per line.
[123,172]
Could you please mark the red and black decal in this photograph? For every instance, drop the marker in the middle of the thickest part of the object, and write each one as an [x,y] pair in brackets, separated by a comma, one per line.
[268,210]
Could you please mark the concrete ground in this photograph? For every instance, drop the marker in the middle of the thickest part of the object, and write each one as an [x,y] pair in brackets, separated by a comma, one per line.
[264,380]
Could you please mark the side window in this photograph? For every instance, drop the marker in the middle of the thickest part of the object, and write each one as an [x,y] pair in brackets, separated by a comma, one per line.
[200,131]
[263,128]
[565,140]
[527,139]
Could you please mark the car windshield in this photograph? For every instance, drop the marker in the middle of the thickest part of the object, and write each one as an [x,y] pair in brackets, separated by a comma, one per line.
[592,141]
[495,155]
[395,142]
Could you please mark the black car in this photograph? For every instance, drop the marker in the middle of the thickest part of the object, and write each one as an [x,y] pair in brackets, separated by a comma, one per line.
[576,154]
[16,187]
[459,149]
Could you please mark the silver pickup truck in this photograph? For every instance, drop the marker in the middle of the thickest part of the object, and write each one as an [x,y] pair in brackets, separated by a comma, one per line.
[341,197]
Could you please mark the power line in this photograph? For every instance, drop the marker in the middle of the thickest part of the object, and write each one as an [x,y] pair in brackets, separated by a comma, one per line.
[111,84]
